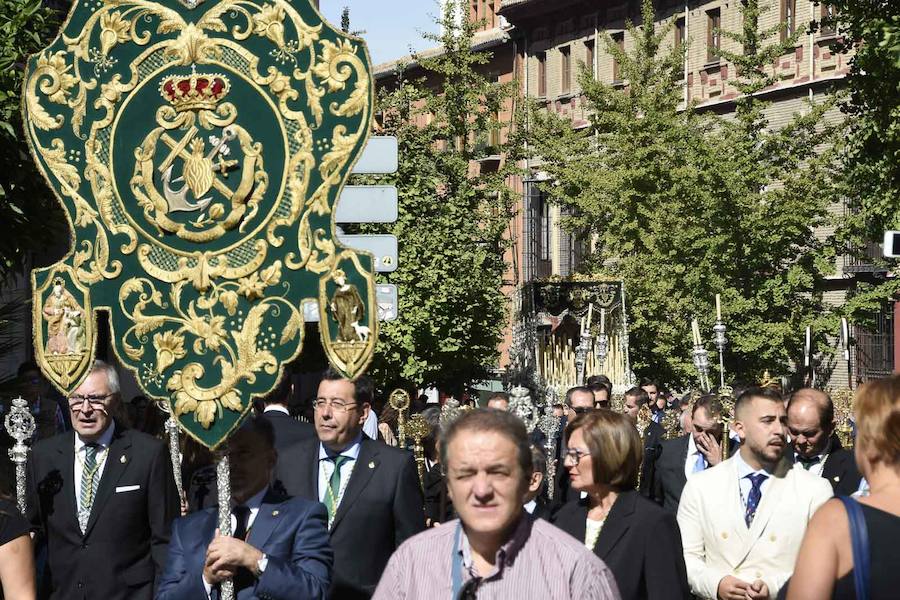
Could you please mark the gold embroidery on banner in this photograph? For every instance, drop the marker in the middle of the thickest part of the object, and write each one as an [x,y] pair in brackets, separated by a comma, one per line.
[221,193]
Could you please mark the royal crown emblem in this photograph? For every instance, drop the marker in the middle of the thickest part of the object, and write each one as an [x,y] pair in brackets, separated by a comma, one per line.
[195,92]
[199,150]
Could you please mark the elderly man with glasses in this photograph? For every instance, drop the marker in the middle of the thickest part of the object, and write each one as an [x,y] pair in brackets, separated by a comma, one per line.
[370,490]
[102,500]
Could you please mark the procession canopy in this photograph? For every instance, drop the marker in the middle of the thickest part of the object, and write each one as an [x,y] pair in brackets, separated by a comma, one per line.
[198,148]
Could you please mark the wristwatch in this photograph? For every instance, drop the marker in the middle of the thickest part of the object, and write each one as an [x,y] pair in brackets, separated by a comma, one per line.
[261,565]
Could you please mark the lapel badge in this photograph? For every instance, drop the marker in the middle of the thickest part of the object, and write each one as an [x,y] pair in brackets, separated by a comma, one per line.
[371,464]
[122,459]
[274,513]
[837,478]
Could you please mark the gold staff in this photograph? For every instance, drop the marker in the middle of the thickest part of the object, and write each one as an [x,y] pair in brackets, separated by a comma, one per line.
[418,429]
[399,401]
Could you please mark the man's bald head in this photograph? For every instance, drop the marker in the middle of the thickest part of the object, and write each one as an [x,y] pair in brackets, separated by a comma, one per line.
[807,399]
[810,421]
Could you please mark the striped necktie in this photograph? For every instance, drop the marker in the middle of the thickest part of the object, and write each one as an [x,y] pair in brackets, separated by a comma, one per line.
[333,493]
[88,484]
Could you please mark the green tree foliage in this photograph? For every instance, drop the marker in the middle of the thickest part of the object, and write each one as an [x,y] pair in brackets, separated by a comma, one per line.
[683,205]
[871,157]
[30,217]
[452,224]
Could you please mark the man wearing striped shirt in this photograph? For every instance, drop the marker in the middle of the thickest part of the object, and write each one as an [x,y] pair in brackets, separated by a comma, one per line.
[494,550]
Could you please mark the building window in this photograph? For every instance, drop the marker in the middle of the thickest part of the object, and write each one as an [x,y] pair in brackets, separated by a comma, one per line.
[589,56]
[542,74]
[788,19]
[619,41]
[875,346]
[538,261]
[679,33]
[713,34]
[566,60]
[826,26]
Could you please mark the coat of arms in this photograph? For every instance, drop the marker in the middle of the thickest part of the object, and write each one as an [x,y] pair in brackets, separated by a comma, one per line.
[199,149]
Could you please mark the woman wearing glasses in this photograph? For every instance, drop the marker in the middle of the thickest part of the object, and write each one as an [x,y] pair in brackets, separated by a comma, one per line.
[16,559]
[638,541]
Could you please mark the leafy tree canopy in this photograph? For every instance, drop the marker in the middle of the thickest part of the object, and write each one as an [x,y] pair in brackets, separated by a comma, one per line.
[683,205]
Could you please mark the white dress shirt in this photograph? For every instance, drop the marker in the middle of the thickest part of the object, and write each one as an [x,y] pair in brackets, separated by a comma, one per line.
[370,427]
[103,442]
[277,408]
[744,482]
[326,468]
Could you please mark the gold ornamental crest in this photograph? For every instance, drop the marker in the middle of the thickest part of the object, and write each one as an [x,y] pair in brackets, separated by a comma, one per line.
[199,149]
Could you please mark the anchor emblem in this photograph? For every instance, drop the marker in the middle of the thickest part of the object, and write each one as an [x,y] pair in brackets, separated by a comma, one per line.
[199,170]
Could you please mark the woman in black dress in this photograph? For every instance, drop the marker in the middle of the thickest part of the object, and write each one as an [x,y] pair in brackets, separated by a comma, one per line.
[638,540]
[825,566]
[16,559]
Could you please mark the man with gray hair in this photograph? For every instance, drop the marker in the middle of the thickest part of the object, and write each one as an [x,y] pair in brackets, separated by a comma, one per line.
[102,500]
[495,549]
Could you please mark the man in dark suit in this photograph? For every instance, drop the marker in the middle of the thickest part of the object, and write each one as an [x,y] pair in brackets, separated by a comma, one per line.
[278,549]
[637,401]
[288,430]
[102,500]
[815,446]
[371,490]
[682,457]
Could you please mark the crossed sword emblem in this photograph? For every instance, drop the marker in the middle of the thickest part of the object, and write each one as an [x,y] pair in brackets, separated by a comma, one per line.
[177,199]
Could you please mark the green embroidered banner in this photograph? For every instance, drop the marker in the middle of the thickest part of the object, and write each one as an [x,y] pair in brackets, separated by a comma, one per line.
[199,149]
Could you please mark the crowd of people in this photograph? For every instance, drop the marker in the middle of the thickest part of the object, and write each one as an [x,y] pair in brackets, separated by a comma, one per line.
[765,504]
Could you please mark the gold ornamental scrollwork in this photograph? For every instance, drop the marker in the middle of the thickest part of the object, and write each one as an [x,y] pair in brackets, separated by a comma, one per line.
[198,149]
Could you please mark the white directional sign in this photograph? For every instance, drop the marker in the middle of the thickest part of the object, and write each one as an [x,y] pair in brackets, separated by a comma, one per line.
[385,297]
[367,204]
[378,157]
[382,246]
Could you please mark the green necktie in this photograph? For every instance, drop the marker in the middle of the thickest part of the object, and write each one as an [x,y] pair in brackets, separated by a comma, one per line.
[333,493]
[88,480]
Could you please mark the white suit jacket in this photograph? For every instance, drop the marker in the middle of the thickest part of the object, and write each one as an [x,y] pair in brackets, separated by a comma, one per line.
[716,539]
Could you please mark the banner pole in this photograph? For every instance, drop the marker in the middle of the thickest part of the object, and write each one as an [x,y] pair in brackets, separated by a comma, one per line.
[223,485]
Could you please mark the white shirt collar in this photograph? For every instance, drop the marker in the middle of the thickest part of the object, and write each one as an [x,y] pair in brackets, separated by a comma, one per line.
[276,408]
[692,446]
[351,451]
[744,469]
[530,506]
[103,441]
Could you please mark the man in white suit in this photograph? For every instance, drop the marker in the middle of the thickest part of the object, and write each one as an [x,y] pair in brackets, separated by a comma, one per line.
[742,521]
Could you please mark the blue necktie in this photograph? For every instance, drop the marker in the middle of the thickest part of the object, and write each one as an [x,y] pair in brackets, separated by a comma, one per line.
[756,481]
[700,463]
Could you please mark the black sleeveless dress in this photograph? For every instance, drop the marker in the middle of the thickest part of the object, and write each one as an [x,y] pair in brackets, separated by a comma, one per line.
[12,524]
[884,558]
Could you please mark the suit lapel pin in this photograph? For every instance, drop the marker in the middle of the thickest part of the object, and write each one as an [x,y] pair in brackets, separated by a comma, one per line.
[371,464]
[837,478]
[274,513]
[123,460]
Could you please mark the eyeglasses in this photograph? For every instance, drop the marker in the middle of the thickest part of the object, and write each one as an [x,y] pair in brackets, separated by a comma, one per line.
[575,454]
[336,405]
[76,403]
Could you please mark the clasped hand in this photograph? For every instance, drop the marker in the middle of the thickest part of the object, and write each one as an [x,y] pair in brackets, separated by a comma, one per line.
[732,588]
[226,555]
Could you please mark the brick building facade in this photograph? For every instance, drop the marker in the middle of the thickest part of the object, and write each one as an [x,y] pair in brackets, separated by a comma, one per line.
[541,43]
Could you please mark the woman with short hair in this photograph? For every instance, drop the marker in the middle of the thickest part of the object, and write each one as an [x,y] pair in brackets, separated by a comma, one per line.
[638,540]
[828,566]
